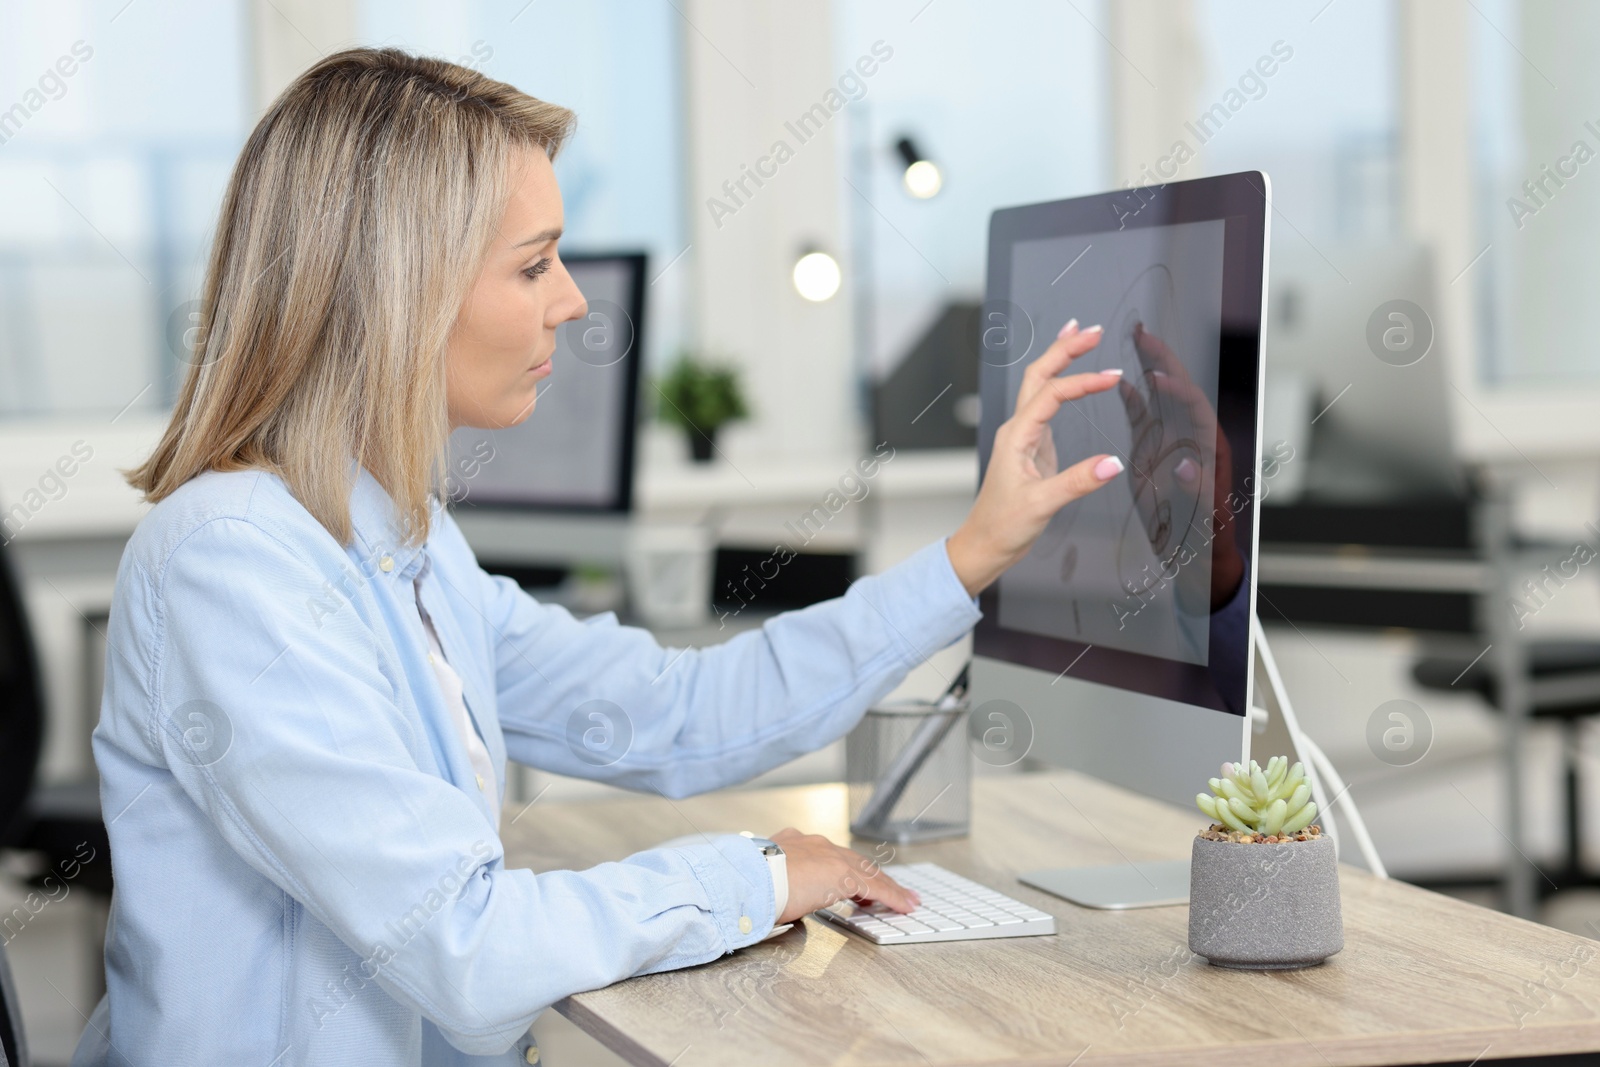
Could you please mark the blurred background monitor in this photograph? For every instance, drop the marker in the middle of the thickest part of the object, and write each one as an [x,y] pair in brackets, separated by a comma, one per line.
[1356,377]
[557,489]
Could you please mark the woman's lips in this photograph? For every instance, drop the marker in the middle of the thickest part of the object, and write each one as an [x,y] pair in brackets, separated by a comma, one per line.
[541,371]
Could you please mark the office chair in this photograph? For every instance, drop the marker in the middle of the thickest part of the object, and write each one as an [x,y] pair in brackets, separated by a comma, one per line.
[51,820]
[1564,682]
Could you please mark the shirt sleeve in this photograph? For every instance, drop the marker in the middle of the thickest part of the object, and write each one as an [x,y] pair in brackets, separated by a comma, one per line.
[325,788]
[598,700]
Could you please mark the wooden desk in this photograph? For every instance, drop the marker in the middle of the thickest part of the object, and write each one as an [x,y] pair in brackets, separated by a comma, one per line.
[1423,978]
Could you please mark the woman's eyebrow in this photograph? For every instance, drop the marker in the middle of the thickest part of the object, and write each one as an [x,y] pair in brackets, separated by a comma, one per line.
[540,238]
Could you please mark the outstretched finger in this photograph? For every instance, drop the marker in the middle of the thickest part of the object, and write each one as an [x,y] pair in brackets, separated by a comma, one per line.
[1054,392]
[1069,344]
[1082,478]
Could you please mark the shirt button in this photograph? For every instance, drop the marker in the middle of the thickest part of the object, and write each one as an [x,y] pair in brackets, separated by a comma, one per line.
[480,783]
[386,564]
[532,1055]
[744,924]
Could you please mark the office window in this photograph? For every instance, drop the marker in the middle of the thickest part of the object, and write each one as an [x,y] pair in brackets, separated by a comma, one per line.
[118,126]
[1009,102]
[1323,124]
[617,64]
[1537,189]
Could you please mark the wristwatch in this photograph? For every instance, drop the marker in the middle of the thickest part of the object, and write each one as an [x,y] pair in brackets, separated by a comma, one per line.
[779,868]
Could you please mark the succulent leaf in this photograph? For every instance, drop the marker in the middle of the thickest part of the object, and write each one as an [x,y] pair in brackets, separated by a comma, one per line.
[1226,816]
[1272,819]
[1277,767]
[1301,819]
[1270,800]
[1291,781]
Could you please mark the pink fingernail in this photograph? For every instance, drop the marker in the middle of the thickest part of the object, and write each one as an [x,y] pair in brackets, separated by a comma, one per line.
[1096,328]
[1112,372]
[1108,468]
[1072,324]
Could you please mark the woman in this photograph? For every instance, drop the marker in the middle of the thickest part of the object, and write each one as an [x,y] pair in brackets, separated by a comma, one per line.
[314,688]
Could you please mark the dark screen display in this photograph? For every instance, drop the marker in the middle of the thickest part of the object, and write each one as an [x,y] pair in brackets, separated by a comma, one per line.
[1144,583]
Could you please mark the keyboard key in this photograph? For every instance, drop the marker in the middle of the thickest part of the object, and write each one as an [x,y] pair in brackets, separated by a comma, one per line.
[951,908]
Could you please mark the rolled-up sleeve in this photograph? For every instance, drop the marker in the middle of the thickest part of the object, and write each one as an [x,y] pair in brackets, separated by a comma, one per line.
[306,766]
[679,721]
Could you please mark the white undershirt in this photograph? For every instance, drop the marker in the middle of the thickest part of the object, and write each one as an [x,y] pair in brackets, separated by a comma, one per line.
[455,701]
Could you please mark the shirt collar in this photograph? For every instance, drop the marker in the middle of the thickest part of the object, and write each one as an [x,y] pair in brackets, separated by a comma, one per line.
[379,544]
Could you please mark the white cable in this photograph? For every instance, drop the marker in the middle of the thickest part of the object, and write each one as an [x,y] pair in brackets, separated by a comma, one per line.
[1316,762]
[1281,693]
[1358,826]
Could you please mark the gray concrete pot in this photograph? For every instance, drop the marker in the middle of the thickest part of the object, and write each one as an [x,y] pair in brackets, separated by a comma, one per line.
[1264,906]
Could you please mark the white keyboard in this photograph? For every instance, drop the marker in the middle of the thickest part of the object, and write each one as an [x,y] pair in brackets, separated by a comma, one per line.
[953,909]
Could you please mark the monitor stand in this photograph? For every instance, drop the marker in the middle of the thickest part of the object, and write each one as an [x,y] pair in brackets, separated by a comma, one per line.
[1155,883]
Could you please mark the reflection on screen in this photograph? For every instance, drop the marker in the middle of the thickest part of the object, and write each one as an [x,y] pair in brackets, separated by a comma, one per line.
[1129,565]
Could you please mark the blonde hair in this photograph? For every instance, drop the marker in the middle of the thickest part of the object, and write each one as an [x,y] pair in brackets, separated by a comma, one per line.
[355,223]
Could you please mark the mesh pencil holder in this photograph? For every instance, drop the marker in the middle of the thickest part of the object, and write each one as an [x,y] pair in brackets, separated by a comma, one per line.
[909,772]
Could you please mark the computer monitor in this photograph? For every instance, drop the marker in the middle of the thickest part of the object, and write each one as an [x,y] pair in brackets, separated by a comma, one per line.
[1356,375]
[558,488]
[1120,644]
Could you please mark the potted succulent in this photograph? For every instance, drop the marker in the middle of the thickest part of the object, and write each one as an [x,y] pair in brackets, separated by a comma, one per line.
[1263,878]
[700,397]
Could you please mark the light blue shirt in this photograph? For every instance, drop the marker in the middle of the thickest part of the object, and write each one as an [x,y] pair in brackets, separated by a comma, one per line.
[307,871]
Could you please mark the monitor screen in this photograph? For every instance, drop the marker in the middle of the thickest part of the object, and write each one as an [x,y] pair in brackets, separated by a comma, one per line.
[1145,583]
[575,451]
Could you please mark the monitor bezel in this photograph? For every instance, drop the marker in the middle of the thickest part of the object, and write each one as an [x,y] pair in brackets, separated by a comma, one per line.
[622,496]
[1242,201]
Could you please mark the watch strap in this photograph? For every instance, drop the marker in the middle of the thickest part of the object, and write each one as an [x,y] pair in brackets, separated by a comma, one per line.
[778,867]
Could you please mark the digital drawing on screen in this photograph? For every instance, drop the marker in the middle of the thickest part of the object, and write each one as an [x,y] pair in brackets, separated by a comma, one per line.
[1129,566]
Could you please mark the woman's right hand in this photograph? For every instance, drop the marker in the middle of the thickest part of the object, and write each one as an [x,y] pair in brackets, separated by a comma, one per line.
[1023,487]
[822,873]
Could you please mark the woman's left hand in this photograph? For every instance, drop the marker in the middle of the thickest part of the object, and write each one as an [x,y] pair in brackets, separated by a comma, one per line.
[1022,488]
